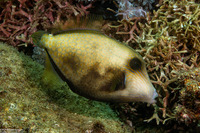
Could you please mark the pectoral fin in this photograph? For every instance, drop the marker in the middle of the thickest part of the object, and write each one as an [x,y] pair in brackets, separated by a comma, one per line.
[50,74]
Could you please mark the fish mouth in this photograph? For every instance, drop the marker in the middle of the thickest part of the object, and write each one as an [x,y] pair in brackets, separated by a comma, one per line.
[151,99]
[155,94]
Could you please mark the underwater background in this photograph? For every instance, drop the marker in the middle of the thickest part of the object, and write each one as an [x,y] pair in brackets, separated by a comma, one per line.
[165,32]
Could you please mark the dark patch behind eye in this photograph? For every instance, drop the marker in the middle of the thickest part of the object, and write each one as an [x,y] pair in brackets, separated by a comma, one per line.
[121,84]
[135,64]
[116,83]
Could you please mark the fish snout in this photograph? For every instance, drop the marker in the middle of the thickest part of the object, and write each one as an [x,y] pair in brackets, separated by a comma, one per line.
[152,98]
[140,88]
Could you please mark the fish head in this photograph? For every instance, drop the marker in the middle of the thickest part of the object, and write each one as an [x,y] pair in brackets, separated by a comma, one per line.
[137,85]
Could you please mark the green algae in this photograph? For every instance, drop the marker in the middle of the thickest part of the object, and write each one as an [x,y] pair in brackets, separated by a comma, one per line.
[27,103]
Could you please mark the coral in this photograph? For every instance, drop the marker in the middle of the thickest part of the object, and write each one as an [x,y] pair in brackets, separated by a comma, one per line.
[19,19]
[126,31]
[127,10]
[146,4]
[128,27]
[169,43]
[172,43]
[28,104]
[172,48]
[188,109]
[130,8]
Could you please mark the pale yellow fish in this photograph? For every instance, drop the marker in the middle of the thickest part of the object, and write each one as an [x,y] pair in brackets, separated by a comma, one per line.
[96,66]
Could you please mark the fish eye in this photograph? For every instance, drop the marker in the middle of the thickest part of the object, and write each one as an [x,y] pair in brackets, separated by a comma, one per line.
[135,64]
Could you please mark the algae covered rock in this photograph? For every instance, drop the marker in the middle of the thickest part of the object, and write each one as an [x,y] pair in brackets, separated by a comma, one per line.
[30,105]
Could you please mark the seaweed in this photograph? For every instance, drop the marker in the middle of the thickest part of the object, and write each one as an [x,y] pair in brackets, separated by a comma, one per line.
[19,19]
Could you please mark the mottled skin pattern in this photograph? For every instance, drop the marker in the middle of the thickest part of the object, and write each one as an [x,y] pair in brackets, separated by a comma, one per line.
[98,67]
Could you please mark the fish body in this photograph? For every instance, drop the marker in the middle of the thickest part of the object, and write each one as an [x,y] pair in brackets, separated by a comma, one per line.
[96,66]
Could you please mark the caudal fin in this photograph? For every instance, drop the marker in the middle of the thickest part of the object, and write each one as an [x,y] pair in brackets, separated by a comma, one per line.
[37,37]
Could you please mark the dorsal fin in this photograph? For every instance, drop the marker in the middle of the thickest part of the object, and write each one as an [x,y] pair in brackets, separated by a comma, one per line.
[77,30]
[91,23]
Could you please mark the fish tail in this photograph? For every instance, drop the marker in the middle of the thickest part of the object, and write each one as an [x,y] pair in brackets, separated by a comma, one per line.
[36,37]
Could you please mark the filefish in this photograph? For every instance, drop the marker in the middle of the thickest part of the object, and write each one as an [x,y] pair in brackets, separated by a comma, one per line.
[96,66]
